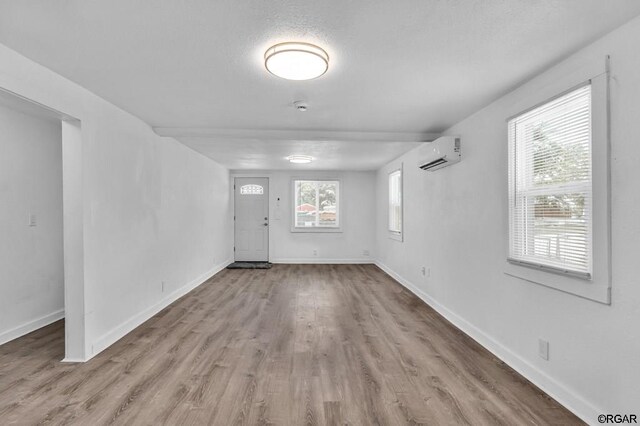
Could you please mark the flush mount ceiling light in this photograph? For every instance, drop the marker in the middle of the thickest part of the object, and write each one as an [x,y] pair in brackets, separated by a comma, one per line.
[300,159]
[296,61]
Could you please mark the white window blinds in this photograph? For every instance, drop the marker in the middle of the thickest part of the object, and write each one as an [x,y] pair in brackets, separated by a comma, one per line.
[395,201]
[550,188]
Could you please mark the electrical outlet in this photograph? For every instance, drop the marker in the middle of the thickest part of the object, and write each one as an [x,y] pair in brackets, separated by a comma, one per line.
[32,220]
[543,349]
[424,271]
[365,252]
[315,252]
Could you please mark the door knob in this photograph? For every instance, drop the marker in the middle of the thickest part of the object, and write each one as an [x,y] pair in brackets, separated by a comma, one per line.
[266,224]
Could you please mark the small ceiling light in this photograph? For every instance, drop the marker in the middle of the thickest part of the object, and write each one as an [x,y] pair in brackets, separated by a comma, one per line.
[300,159]
[296,61]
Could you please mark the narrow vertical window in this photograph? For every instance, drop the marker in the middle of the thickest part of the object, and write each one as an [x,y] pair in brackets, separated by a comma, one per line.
[395,202]
[550,185]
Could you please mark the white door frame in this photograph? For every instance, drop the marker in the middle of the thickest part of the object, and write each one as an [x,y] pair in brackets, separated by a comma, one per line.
[233,192]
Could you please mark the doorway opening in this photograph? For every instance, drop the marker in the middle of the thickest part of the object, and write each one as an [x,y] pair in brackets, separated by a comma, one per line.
[40,160]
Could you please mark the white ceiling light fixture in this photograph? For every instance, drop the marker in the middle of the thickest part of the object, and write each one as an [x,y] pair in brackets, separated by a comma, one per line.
[300,159]
[296,61]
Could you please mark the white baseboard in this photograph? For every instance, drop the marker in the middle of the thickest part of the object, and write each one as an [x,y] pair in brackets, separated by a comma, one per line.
[126,327]
[323,261]
[33,325]
[553,388]
[73,360]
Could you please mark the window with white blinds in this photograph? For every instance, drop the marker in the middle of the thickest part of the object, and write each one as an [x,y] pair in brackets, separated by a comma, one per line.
[395,202]
[550,185]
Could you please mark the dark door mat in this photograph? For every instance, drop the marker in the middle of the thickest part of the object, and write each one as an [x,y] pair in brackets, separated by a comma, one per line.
[250,265]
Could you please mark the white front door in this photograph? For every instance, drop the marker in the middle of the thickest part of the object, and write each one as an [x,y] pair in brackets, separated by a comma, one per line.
[251,219]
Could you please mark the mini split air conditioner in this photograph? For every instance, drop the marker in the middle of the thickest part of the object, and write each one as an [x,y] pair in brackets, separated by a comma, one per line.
[440,153]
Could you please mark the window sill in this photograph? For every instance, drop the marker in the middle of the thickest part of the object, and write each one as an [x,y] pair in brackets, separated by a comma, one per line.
[396,236]
[314,230]
[596,289]
[550,269]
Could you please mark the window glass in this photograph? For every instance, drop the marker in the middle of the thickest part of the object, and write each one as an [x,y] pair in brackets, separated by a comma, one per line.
[251,190]
[316,204]
[395,201]
[550,185]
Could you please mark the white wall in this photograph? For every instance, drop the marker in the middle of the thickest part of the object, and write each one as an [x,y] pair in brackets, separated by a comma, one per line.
[456,224]
[32,278]
[154,210]
[357,218]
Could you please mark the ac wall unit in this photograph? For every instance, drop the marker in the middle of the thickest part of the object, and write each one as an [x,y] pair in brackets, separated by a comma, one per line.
[440,153]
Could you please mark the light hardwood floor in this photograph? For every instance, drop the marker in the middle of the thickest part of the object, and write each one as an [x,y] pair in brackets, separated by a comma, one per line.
[294,345]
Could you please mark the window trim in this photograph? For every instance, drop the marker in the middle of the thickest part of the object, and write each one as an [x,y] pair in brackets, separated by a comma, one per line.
[548,189]
[598,288]
[315,230]
[396,235]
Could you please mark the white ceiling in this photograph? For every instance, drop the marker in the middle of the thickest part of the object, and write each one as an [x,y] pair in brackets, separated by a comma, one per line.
[411,66]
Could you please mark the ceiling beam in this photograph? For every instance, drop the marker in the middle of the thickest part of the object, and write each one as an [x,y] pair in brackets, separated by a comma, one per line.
[293,135]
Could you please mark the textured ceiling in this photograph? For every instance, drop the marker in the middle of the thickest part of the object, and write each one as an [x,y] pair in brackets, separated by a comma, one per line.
[328,155]
[396,66]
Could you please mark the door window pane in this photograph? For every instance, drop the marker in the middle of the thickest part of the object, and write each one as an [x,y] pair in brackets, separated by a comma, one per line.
[251,190]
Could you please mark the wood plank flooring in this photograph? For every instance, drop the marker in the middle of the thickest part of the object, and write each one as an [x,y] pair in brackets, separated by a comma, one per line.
[293,345]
